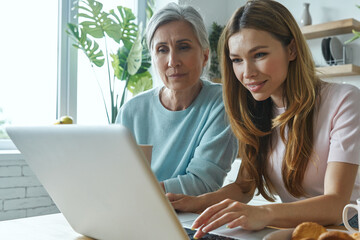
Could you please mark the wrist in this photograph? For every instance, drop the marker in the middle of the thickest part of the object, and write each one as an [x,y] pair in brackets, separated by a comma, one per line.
[269,214]
[206,200]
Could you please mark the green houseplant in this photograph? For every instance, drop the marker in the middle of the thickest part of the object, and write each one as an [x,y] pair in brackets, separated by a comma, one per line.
[129,63]
[214,36]
[356,33]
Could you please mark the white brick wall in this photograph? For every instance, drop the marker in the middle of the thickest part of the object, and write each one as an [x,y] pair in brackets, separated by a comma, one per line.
[21,194]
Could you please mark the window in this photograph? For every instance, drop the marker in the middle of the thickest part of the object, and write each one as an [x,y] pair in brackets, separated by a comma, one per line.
[90,106]
[38,82]
[28,62]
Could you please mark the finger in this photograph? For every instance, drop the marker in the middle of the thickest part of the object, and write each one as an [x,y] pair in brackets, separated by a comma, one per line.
[179,205]
[199,233]
[241,221]
[231,207]
[224,219]
[208,213]
[174,197]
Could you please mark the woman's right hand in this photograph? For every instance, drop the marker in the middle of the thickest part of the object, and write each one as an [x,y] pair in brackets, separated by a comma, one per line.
[185,203]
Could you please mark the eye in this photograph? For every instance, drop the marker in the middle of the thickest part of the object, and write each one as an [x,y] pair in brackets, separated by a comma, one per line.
[236,60]
[184,47]
[162,49]
[260,55]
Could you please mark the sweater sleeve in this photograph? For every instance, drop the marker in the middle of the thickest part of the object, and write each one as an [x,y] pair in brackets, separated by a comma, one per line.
[211,160]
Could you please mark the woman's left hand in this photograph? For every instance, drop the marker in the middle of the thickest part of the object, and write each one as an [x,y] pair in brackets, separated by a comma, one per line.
[232,213]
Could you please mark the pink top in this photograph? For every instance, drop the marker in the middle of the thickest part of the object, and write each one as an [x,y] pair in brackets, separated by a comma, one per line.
[336,139]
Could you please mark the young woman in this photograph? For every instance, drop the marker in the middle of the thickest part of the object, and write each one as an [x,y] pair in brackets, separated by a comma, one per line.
[299,136]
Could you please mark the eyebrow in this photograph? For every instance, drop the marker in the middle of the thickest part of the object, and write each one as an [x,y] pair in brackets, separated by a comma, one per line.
[178,41]
[251,50]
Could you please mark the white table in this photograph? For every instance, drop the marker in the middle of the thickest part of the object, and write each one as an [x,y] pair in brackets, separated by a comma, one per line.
[56,227]
[47,227]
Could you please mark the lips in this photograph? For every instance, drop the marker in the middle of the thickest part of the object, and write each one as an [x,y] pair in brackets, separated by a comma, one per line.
[256,86]
[176,75]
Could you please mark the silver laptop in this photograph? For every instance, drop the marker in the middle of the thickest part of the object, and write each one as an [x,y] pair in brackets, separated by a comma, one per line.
[101,182]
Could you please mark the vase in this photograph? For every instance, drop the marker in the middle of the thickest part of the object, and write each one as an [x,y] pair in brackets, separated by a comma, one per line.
[305,17]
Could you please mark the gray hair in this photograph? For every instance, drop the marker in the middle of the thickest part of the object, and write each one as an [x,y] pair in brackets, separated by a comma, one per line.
[174,12]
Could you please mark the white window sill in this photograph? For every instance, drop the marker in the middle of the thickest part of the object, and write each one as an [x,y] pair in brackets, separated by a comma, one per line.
[10,155]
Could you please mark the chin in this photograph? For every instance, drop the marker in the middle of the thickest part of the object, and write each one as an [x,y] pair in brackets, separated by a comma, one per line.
[260,98]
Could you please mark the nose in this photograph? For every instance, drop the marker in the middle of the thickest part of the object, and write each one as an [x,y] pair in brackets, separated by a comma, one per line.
[174,60]
[250,70]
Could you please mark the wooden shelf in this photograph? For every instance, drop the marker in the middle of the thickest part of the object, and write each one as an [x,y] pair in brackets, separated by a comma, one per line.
[330,28]
[338,70]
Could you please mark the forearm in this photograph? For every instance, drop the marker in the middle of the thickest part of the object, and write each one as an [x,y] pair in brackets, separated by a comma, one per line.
[201,177]
[325,210]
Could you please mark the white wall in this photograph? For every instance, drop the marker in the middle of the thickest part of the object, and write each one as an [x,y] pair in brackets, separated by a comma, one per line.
[320,10]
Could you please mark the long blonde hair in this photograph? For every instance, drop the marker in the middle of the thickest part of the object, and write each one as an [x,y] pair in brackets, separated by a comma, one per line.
[252,121]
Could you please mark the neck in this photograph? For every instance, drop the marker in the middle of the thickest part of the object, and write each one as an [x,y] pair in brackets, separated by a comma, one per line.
[177,100]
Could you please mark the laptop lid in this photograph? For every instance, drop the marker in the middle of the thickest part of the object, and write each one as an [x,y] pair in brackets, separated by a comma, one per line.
[99,179]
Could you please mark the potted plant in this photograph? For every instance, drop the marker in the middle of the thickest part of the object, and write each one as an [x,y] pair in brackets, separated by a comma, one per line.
[131,61]
[214,36]
[356,33]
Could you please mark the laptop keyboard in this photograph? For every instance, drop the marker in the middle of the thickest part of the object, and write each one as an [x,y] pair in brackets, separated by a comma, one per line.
[208,236]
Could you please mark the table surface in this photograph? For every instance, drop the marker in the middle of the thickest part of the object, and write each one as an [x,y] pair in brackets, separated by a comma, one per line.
[46,227]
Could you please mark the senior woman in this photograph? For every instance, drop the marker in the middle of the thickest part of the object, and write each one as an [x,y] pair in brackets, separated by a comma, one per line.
[184,120]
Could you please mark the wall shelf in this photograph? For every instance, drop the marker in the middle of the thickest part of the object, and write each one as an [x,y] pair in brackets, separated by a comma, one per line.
[330,28]
[338,70]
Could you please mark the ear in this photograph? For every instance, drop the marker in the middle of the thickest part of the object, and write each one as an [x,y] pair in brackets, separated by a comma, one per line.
[206,56]
[292,50]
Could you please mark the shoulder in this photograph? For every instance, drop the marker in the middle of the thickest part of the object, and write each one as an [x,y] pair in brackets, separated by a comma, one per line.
[212,87]
[339,100]
[142,99]
[334,92]
[212,90]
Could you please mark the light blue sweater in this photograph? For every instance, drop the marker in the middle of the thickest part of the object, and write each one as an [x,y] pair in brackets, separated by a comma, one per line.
[193,149]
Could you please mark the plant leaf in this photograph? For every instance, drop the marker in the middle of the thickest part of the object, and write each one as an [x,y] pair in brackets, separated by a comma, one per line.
[125,20]
[356,36]
[119,63]
[135,55]
[140,82]
[98,22]
[89,47]
[150,5]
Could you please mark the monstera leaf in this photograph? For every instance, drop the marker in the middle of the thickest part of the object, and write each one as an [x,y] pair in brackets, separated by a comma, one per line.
[90,48]
[127,28]
[97,22]
[119,61]
[140,82]
[131,60]
[135,54]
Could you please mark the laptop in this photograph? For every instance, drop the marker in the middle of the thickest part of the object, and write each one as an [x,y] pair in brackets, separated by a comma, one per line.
[102,183]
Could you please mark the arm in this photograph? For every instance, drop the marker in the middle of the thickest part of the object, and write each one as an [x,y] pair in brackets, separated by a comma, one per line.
[325,209]
[341,170]
[237,191]
[211,151]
